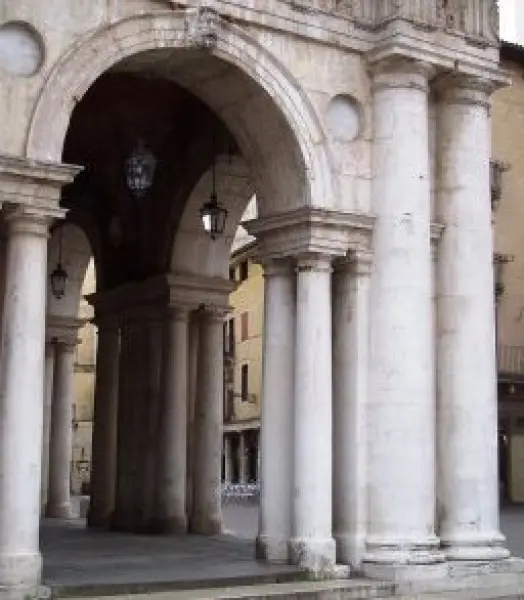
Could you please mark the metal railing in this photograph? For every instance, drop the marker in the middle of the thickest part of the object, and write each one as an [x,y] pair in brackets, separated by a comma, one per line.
[240,493]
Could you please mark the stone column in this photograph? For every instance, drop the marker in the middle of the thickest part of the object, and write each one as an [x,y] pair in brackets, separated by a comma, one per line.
[150,406]
[467,404]
[276,412]
[61,439]
[103,466]
[206,517]
[21,397]
[192,371]
[401,443]
[124,511]
[350,397]
[172,458]
[312,544]
[46,433]
[227,459]
[242,458]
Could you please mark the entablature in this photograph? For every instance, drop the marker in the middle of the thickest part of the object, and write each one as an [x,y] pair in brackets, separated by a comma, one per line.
[448,33]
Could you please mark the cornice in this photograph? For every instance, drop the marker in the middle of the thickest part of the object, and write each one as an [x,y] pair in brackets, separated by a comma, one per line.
[170,290]
[29,182]
[467,29]
[310,231]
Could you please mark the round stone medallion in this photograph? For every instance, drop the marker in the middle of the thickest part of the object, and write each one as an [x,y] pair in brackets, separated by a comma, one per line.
[343,117]
[21,49]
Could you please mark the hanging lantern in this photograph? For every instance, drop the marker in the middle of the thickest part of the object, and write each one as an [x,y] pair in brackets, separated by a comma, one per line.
[140,170]
[58,277]
[213,215]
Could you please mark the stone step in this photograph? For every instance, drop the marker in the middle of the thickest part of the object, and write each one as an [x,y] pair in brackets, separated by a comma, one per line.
[125,587]
[353,589]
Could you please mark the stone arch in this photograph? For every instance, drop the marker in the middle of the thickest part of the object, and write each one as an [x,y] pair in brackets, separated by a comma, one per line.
[211,257]
[76,256]
[98,52]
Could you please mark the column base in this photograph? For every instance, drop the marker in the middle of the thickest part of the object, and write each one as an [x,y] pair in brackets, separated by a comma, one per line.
[474,547]
[404,572]
[206,525]
[59,511]
[99,520]
[409,551]
[169,525]
[19,572]
[272,549]
[351,549]
[315,555]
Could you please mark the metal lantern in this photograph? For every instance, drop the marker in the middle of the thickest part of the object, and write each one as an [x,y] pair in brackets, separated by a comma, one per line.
[140,170]
[58,277]
[213,215]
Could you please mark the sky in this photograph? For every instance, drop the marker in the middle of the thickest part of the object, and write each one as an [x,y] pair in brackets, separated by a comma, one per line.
[512,20]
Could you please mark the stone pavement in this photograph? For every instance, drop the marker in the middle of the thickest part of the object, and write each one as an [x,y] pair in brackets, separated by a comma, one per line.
[77,560]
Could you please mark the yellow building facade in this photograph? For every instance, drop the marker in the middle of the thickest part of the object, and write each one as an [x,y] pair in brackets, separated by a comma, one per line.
[243,373]
[85,365]
[508,217]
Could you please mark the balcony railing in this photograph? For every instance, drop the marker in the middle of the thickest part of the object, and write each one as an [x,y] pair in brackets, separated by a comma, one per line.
[511,360]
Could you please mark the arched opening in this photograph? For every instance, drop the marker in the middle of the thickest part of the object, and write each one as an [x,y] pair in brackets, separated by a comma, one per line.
[162,282]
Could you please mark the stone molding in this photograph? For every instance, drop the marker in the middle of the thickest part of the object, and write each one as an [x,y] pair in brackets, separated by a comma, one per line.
[171,291]
[465,89]
[34,183]
[310,231]
[477,22]
[31,220]
[399,72]
[63,330]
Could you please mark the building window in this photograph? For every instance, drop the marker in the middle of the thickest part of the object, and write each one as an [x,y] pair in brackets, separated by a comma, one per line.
[229,337]
[232,273]
[244,382]
[243,270]
[244,327]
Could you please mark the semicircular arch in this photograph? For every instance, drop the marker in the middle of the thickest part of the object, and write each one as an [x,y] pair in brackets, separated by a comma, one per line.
[100,51]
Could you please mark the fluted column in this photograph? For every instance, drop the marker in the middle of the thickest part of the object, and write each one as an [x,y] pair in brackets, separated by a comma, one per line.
[192,373]
[312,544]
[468,504]
[61,439]
[206,516]
[401,444]
[227,459]
[350,398]
[242,458]
[276,417]
[46,432]
[21,396]
[172,460]
[103,467]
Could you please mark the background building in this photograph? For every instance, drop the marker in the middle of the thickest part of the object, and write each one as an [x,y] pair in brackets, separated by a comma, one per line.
[84,391]
[508,187]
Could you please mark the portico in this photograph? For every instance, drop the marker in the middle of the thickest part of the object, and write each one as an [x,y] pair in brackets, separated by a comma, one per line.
[370,177]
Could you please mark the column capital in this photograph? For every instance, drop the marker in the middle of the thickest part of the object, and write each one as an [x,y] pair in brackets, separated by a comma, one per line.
[213,314]
[67,344]
[63,331]
[358,262]
[277,267]
[179,312]
[318,263]
[400,73]
[31,220]
[107,322]
[465,89]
